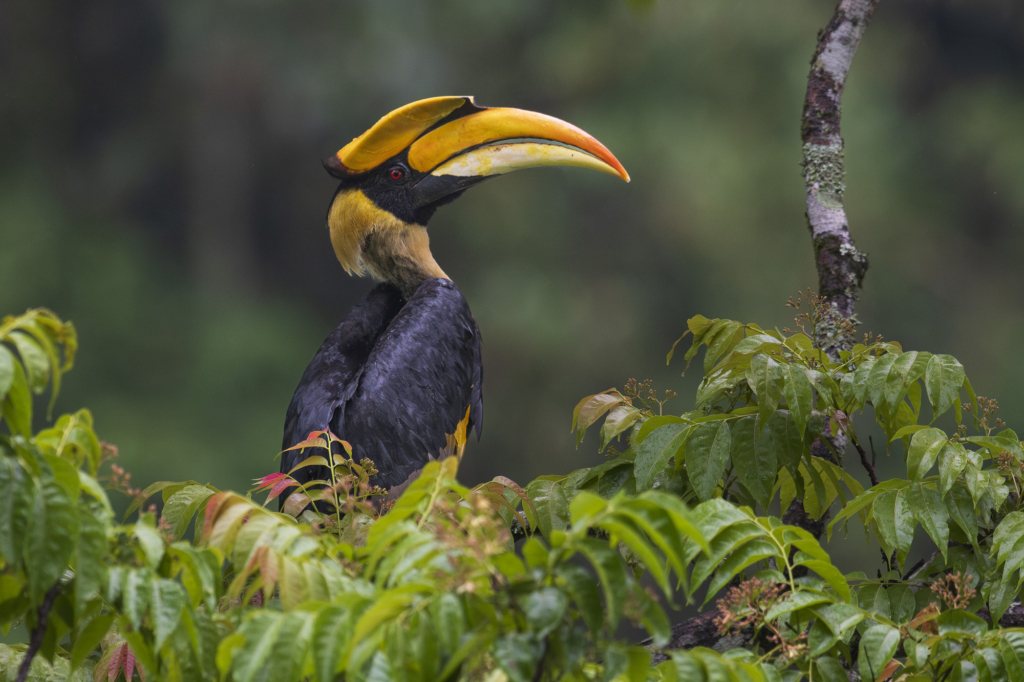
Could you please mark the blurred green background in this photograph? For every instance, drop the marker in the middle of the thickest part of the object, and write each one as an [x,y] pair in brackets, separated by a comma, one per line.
[160,185]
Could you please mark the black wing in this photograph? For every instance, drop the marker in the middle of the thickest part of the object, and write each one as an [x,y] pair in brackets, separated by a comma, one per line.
[332,373]
[421,377]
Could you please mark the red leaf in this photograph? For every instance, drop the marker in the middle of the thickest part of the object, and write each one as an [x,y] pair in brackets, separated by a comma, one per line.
[116,660]
[129,663]
[280,487]
[269,480]
[212,507]
[295,503]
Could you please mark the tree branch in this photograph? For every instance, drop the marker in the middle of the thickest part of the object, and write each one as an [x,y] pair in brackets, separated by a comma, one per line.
[841,266]
[42,615]
[872,474]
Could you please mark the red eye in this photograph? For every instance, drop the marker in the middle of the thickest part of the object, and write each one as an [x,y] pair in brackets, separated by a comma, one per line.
[397,173]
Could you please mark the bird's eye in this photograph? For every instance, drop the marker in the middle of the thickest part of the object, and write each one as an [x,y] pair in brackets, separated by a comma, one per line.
[396,173]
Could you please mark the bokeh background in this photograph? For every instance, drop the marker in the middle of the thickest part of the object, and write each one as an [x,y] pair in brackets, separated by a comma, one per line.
[160,185]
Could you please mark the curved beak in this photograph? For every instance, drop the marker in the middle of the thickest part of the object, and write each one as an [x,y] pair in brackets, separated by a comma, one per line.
[453,144]
[490,142]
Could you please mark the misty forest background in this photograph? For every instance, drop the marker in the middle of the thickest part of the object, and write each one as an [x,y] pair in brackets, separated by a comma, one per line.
[167,156]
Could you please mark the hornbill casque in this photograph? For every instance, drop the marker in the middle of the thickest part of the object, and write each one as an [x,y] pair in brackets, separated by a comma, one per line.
[401,377]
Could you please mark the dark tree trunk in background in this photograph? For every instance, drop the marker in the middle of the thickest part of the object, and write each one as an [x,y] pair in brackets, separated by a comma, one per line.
[841,266]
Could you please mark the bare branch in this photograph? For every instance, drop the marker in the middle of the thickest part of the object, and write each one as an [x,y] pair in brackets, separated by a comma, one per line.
[841,266]
[42,615]
[867,464]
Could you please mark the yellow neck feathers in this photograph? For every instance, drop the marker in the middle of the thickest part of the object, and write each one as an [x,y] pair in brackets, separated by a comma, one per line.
[366,238]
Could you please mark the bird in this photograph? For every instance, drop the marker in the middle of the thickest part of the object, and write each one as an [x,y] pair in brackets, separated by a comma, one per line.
[400,380]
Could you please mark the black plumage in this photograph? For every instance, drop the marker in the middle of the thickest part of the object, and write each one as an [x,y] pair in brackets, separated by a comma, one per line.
[394,380]
[402,374]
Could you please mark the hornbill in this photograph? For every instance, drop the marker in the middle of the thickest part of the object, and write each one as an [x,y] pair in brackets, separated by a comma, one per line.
[401,378]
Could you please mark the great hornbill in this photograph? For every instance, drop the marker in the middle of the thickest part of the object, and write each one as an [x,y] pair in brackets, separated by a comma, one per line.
[402,374]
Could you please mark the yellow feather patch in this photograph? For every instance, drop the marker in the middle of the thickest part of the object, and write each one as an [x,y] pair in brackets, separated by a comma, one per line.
[457,441]
[352,216]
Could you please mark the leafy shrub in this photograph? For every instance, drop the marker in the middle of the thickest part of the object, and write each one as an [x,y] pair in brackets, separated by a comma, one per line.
[501,582]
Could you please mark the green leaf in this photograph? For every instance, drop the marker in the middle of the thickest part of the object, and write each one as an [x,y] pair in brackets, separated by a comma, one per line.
[765,376]
[907,431]
[877,378]
[551,504]
[583,590]
[611,574]
[831,575]
[544,610]
[697,325]
[655,451]
[795,601]
[799,395]
[6,371]
[165,605]
[1006,534]
[961,509]
[924,448]
[517,654]
[1001,594]
[830,670]
[653,617]
[183,505]
[725,542]
[620,418]
[136,589]
[743,556]
[586,505]
[958,621]
[331,633]
[862,501]
[859,380]
[652,424]
[16,501]
[17,405]
[722,342]
[591,408]
[928,508]
[907,369]
[34,359]
[50,537]
[89,638]
[952,460]
[253,659]
[943,379]
[877,646]
[707,455]
[895,521]
[839,618]
[754,460]
[784,440]
[91,552]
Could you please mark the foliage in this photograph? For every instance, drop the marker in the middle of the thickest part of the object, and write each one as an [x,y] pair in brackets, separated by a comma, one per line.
[433,585]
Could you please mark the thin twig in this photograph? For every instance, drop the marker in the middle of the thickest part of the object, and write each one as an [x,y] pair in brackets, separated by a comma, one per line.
[867,465]
[920,566]
[42,615]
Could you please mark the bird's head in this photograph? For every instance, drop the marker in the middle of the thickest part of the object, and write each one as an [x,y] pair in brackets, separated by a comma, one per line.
[425,154]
